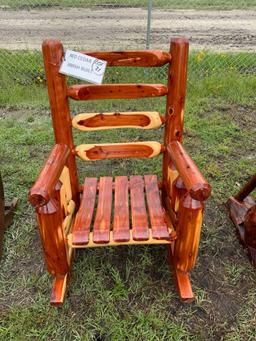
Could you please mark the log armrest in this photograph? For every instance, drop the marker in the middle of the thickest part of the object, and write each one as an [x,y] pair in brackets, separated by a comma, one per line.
[42,189]
[193,179]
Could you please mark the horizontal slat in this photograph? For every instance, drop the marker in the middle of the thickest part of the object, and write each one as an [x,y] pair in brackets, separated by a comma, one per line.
[112,120]
[116,150]
[111,242]
[132,58]
[81,187]
[115,91]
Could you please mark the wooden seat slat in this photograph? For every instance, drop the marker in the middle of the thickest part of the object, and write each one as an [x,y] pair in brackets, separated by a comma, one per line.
[156,213]
[138,209]
[84,215]
[121,224]
[101,227]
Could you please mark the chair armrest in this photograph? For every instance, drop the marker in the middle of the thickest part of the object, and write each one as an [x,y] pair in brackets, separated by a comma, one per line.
[45,184]
[193,179]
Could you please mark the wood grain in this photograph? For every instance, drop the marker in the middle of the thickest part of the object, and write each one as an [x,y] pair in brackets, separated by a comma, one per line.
[57,88]
[50,220]
[112,242]
[115,91]
[84,215]
[156,213]
[194,181]
[44,186]
[138,209]
[142,58]
[91,152]
[121,224]
[58,290]
[188,233]
[114,120]
[101,227]
[175,101]
[181,278]
[178,192]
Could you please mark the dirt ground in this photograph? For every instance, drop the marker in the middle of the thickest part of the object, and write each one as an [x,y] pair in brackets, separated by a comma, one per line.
[126,28]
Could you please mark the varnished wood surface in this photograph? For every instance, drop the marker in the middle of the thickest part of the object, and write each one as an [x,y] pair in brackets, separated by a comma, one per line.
[138,209]
[138,216]
[50,219]
[56,84]
[194,181]
[142,58]
[178,192]
[157,216]
[121,223]
[132,241]
[84,216]
[188,233]
[92,152]
[145,215]
[65,190]
[114,120]
[177,79]
[58,290]
[101,227]
[115,91]
[182,279]
[175,102]
[44,186]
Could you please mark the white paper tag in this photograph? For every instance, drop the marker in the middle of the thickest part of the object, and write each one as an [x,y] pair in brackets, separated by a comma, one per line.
[84,67]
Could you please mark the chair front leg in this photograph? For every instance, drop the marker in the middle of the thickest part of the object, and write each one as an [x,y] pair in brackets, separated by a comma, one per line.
[57,258]
[190,217]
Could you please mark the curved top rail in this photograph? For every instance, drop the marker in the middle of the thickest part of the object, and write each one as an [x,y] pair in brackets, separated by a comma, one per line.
[149,58]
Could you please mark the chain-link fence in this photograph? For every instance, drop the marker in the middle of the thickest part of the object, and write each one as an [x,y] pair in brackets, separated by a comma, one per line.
[222,33]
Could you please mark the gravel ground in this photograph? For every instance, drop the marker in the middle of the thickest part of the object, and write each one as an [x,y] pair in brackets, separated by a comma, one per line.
[126,28]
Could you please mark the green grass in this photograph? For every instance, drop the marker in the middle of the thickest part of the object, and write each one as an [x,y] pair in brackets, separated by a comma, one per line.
[127,293]
[171,4]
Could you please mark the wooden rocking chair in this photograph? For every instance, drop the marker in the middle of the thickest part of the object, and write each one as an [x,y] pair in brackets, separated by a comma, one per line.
[145,210]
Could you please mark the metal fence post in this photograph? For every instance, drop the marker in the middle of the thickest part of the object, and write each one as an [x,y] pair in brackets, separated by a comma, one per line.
[149,24]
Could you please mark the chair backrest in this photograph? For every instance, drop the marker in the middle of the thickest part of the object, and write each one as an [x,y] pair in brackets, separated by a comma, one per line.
[59,94]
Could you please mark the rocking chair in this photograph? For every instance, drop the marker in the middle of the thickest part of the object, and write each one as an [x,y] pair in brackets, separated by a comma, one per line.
[145,210]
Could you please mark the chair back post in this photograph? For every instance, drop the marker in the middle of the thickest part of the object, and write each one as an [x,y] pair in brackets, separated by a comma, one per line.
[175,102]
[57,91]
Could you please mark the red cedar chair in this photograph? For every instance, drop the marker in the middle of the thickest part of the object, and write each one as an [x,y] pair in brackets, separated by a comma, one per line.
[146,211]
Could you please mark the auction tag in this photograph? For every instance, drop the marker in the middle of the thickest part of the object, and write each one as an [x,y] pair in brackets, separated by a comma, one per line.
[84,67]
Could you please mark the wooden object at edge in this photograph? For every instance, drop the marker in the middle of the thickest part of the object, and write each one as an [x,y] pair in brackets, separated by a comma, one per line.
[6,214]
[242,211]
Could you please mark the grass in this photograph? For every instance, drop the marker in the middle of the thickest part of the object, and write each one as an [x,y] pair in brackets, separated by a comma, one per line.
[127,293]
[172,4]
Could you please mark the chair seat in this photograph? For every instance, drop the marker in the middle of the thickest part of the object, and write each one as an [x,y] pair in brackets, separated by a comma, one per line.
[120,211]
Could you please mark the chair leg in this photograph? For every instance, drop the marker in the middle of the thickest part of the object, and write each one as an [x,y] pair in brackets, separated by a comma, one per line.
[59,289]
[182,279]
